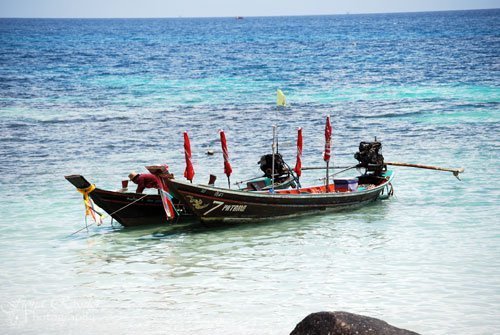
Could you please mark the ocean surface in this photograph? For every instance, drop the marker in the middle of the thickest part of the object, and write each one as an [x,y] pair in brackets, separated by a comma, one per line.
[103,97]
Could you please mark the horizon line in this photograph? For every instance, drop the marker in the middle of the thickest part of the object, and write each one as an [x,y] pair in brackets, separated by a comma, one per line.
[244,16]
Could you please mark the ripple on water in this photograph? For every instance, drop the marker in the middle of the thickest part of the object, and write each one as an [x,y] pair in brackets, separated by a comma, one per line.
[118,96]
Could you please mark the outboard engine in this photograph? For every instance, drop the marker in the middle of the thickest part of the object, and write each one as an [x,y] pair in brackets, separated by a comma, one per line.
[266,163]
[370,158]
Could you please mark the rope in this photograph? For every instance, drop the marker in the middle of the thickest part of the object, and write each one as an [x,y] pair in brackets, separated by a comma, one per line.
[336,173]
[89,189]
[79,230]
[133,202]
[294,176]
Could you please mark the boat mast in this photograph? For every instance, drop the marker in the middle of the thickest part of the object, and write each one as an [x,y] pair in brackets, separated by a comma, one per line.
[272,164]
[327,152]
[280,101]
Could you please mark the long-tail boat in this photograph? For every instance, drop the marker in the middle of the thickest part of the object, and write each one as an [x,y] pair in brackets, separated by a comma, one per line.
[128,208]
[214,204]
[263,198]
[138,209]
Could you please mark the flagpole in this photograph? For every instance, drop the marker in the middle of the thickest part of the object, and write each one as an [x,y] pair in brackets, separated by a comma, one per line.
[280,101]
[276,115]
[298,160]
[327,177]
[327,154]
[272,164]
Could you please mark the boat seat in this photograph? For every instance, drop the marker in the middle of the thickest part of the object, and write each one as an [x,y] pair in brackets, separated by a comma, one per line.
[256,185]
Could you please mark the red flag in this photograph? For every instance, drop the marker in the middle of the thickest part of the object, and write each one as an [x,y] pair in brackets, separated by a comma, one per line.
[227,166]
[328,140]
[189,171]
[298,164]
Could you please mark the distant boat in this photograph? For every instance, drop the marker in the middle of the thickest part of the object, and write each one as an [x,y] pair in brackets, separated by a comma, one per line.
[239,18]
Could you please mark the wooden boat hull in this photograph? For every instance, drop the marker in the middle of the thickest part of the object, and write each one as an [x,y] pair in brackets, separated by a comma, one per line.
[127,209]
[212,204]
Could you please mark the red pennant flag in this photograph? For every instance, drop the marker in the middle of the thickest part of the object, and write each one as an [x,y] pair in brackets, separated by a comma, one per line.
[189,171]
[328,140]
[298,163]
[227,166]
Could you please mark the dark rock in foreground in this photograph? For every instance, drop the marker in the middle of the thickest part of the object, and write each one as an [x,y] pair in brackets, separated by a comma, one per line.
[343,323]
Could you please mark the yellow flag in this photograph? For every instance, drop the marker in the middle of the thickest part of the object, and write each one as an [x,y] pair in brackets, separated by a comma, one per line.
[281,99]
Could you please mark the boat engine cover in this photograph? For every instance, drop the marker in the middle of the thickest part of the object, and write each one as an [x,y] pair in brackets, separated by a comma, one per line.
[369,156]
[266,163]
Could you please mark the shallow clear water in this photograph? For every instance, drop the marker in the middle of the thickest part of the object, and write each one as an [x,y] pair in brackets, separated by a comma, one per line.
[103,97]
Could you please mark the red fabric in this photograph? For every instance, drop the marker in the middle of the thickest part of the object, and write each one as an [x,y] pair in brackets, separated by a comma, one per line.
[328,140]
[162,183]
[168,206]
[298,163]
[189,171]
[227,166]
[146,180]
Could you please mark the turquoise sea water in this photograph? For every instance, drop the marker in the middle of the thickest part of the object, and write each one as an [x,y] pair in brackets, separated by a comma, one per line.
[103,97]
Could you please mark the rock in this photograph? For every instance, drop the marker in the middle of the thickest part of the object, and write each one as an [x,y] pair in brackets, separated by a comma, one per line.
[344,323]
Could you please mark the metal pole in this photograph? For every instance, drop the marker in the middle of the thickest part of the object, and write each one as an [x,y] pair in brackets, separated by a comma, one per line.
[272,164]
[327,177]
[323,167]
